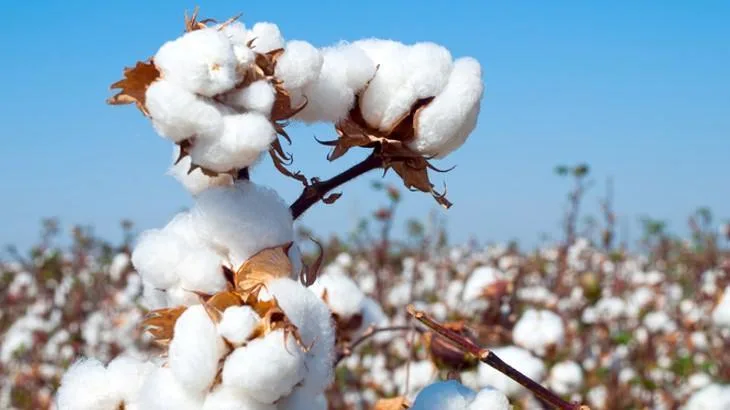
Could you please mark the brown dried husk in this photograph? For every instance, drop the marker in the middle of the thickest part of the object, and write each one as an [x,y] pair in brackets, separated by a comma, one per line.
[394,403]
[391,146]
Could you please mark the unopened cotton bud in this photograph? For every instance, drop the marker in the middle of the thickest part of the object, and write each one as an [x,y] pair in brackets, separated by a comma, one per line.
[202,61]
[447,121]
[178,114]
[195,349]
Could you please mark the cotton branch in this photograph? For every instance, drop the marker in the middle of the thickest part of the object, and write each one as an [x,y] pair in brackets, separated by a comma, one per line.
[488,357]
[318,189]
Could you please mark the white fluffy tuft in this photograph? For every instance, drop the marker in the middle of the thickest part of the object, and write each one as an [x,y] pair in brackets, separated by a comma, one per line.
[299,65]
[177,114]
[266,37]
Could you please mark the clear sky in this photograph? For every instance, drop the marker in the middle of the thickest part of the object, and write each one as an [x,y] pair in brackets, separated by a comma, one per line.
[639,90]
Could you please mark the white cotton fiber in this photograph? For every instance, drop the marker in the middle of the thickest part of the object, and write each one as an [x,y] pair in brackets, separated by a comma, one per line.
[299,65]
[177,114]
[85,386]
[566,377]
[479,280]
[242,220]
[237,324]
[421,73]
[537,330]
[243,139]
[195,182]
[258,96]
[266,37]
[489,398]
[227,398]
[329,98]
[127,375]
[344,297]
[201,271]
[201,61]
[447,121]
[182,226]
[449,395]
[518,358]
[195,349]
[267,368]
[238,36]
[313,319]
[721,312]
[161,391]
[157,256]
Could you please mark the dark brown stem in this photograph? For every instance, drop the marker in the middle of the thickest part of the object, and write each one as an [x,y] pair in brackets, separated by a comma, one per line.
[491,359]
[243,174]
[370,332]
[317,190]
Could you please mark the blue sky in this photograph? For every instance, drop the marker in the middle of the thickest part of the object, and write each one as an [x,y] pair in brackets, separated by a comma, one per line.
[639,90]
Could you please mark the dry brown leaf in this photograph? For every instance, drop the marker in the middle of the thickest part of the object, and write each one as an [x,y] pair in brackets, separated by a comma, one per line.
[414,173]
[219,302]
[134,85]
[268,264]
[331,198]
[160,323]
[395,403]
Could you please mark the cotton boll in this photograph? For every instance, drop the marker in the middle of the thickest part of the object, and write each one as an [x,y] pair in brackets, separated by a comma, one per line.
[179,296]
[243,139]
[201,270]
[343,295]
[490,398]
[195,349]
[177,114]
[566,377]
[538,330]
[157,256]
[85,386]
[449,395]
[161,391]
[299,65]
[429,66]
[360,68]
[201,61]
[195,182]
[266,37]
[481,278]
[127,375]
[259,96]
[518,358]
[227,398]
[242,220]
[237,324]
[721,312]
[280,367]
[238,36]
[313,320]
[328,98]
[182,226]
[447,121]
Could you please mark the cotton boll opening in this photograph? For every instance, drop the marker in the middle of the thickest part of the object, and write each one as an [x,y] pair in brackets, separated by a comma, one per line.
[266,37]
[195,349]
[447,121]
[242,220]
[299,65]
[244,137]
[237,323]
[201,271]
[201,61]
[259,96]
[178,114]
[157,256]
[281,367]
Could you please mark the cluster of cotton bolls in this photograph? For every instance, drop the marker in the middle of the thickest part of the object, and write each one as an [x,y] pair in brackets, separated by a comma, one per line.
[221,92]
[239,329]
